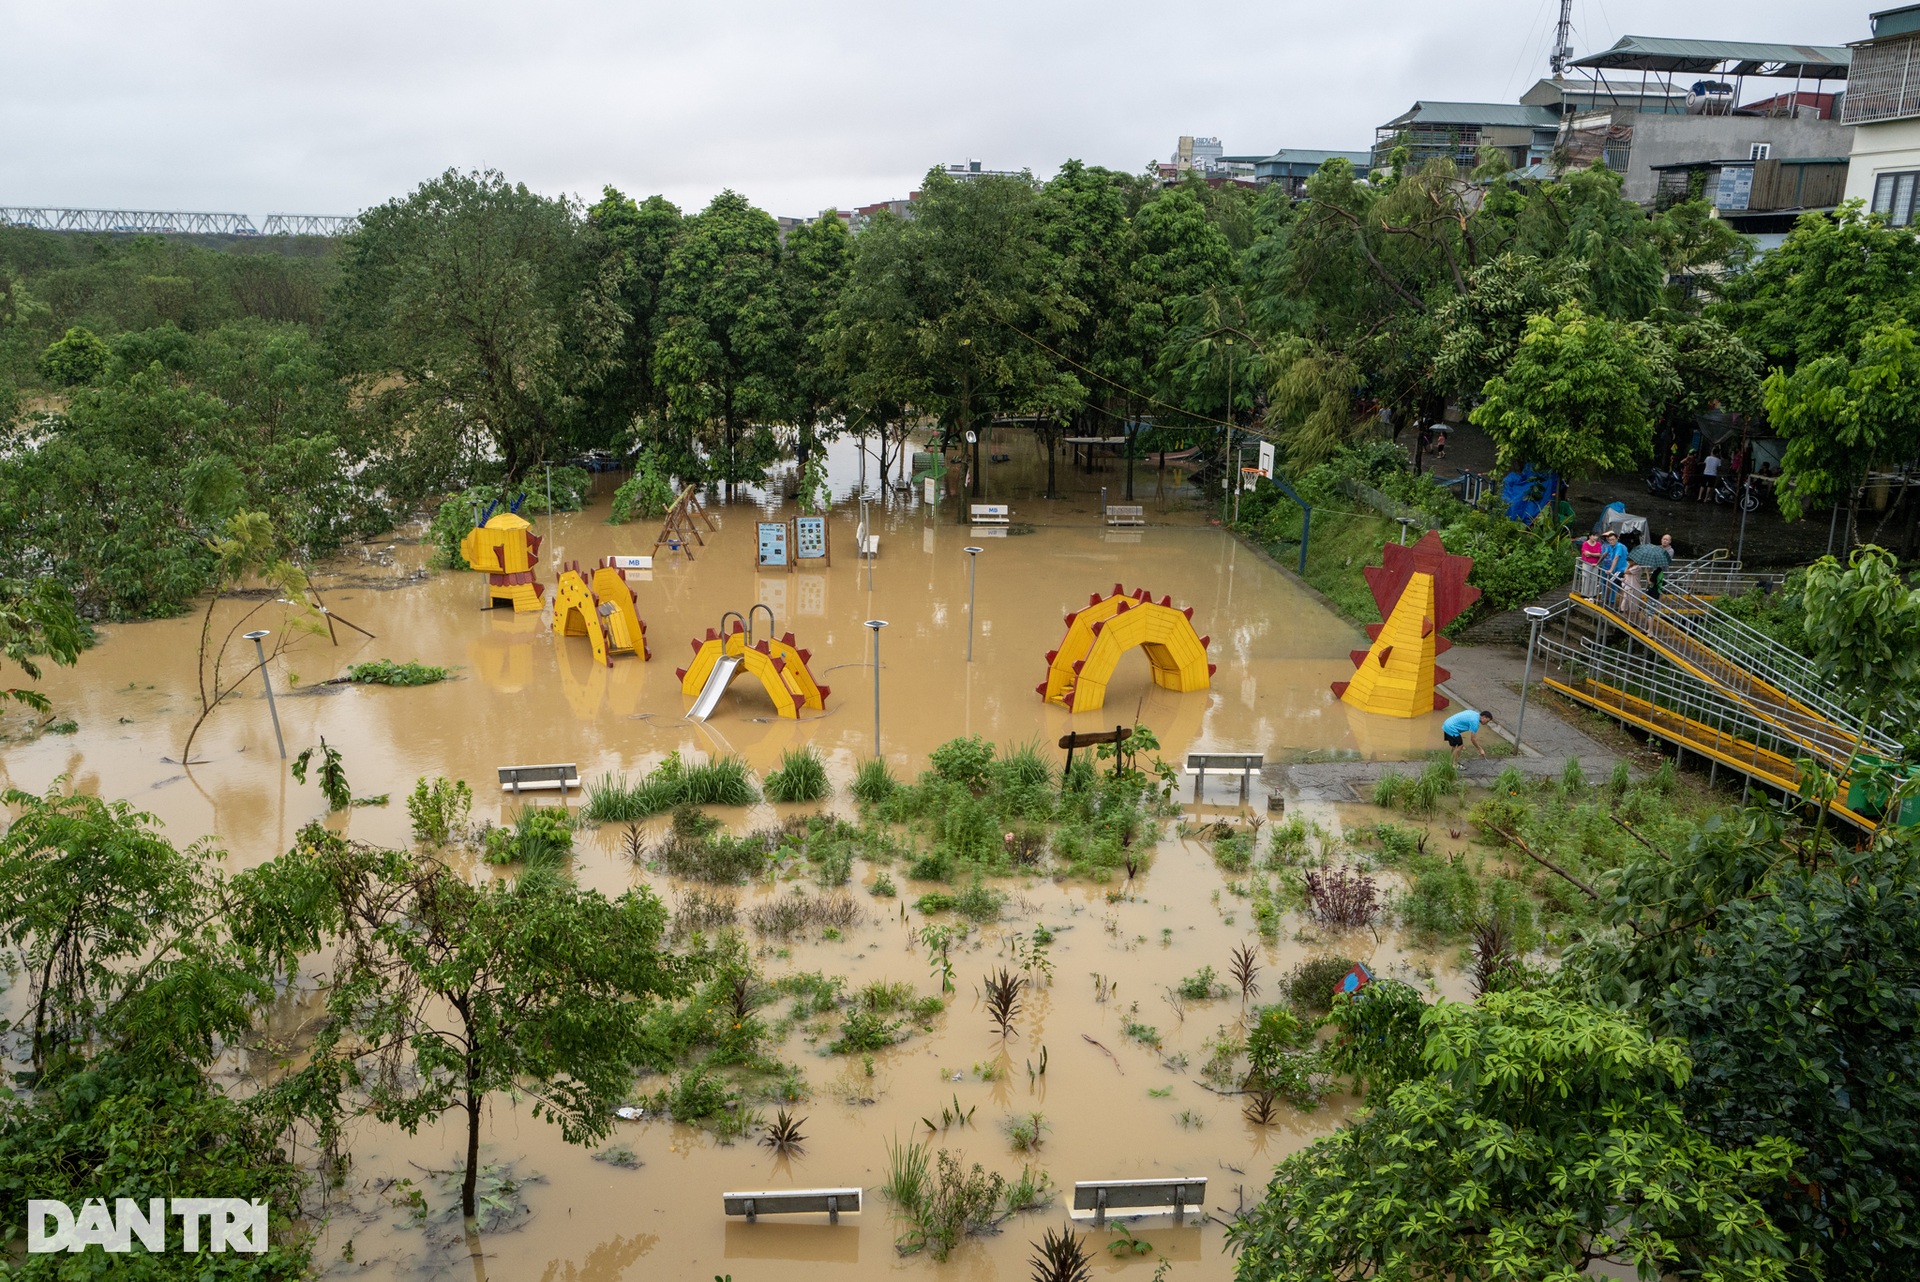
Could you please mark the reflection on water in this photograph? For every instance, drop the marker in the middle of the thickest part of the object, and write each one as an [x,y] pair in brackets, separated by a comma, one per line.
[524,697]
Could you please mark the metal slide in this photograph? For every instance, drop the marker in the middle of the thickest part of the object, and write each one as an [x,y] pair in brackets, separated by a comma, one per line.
[717,683]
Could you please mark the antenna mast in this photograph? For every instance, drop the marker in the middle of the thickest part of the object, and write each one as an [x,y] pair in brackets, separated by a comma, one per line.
[1563,39]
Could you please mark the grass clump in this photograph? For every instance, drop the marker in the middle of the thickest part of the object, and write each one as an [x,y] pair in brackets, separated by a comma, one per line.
[1201,986]
[873,783]
[724,781]
[385,672]
[954,1202]
[1309,986]
[697,847]
[802,776]
[865,1030]
[538,836]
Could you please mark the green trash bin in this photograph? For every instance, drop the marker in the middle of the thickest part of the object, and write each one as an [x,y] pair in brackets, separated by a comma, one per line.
[1869,797]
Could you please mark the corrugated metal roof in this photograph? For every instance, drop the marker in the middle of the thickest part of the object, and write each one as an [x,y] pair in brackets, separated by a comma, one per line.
[1724,57]
[1425,112]
[1295,156]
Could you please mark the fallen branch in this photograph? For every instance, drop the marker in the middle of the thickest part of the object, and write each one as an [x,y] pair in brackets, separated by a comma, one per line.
[1109,1054]
[1547,863]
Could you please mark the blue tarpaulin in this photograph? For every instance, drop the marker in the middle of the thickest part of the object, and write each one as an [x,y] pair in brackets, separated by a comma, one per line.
[1525,492]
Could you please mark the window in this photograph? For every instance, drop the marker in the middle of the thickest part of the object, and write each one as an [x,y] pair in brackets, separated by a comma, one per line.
[1760,151]
[1893,196]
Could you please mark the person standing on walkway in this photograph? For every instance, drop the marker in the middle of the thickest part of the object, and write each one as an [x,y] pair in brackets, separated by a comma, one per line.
[1613,565]
[1591,549]
[1461,726]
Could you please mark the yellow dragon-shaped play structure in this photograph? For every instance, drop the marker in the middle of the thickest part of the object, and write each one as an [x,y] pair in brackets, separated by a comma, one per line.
[1109,626]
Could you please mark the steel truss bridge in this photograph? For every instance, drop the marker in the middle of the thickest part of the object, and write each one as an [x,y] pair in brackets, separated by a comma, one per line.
[173,222]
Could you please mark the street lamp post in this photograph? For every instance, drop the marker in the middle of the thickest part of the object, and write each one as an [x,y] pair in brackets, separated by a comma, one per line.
[260,652]
[1535,615]
[876,625]
[1227,454]
[972,554]
[1405,521]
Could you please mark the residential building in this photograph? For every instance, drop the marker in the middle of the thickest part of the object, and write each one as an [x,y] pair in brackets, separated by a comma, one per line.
[1639,133]
[1457,131]
[1883,106]
[969,170]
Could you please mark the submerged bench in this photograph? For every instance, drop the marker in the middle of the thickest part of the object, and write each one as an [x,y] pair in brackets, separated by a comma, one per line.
[517,779]
[792,1202]
[1126,514]
[1101,1196]
[990,514]
[1198,763]
[867,544]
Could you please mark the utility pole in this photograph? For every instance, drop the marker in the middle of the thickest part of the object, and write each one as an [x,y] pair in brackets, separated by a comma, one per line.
[1562,40]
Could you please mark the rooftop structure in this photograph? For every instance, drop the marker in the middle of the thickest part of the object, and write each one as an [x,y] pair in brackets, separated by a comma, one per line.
[1883,102]
[1292,166]
[1457,131]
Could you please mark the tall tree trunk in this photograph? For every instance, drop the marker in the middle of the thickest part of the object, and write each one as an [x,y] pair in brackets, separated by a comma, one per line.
[469,1187]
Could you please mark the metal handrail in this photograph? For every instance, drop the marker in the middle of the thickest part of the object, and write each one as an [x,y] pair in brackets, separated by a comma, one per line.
[1774,688]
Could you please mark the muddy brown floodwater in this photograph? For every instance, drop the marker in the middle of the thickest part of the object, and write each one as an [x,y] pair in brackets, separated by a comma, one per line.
[525,696]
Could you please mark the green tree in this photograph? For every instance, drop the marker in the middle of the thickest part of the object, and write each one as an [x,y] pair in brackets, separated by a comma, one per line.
[725,356]
[815,271]
[37,620]
[247,549]
[1544,1136]
[444,993]
[630,242]
[1844,415]
[1863,626]
[1579,396]
[1802,1018]
[473,302]
[79,357]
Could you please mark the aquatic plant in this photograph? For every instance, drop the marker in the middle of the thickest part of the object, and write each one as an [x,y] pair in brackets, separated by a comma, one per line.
[1200,986]
[784,916]
[802,776]
[959,1201]
[865,1030]
[331,776]
[703,911]
[1026,1133]
[909,1175]
[1002,997]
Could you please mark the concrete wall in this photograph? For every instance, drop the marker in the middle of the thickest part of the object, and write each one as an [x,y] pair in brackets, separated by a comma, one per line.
[1894,144]
[1661,140]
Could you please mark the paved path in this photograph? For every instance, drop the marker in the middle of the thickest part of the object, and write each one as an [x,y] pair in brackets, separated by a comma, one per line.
[1485,677]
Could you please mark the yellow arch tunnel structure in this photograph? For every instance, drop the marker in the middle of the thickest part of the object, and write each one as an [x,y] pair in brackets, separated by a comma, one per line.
[779,665]
[1078,672]
[604,613]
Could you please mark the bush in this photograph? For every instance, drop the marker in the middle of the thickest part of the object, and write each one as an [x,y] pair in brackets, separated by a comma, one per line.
[1309,986]
[539,835]
[1201,986]
[696,846]
[724,781]
[648,493]
[966,761]
[955,1203]
[385,672]
[439,809]
[864,1030]
[802,776]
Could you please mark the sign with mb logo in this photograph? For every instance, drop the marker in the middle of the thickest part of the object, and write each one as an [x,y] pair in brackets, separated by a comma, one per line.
[232,1224]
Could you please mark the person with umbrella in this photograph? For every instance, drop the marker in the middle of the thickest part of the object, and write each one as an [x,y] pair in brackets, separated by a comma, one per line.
[1654,558]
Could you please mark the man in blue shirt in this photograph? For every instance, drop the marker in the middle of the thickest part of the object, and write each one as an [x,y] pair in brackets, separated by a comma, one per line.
[1464,725]
[1613,565]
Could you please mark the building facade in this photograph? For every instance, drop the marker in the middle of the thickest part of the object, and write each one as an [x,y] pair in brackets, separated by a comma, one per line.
[1883,106]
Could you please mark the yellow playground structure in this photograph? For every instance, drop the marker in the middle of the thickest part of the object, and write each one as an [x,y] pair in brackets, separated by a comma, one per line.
[603,613]
[780,665]
[1078,672]
[506,549]
[1420,588]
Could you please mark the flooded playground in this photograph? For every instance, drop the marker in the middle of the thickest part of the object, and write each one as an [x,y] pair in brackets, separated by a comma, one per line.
[1115,1105]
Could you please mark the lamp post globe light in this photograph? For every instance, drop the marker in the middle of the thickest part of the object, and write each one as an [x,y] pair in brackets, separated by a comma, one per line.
[1536,615]
[972,561]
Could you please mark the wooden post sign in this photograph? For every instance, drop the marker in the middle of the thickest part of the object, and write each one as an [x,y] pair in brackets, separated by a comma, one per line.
[1089,739]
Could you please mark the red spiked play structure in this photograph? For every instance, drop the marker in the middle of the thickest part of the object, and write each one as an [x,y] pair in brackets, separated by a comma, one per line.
[1419,589]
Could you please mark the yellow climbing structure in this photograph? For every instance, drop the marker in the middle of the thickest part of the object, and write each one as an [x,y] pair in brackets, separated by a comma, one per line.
[506,549]
[1078,672]
[1395,676]
[626,630]
[603,613]
[779,665]
[576,614]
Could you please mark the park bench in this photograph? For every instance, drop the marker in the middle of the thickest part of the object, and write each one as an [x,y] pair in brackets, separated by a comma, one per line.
[868,544]
[792,1202]
[518,779]
[990,514]
[1102,1196]
[1126,514]
[1198,763]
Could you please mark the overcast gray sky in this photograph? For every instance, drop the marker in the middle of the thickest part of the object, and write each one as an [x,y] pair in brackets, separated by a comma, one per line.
[327,108]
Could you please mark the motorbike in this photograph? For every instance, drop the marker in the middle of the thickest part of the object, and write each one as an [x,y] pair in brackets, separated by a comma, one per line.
[1663,484]
[1723,492]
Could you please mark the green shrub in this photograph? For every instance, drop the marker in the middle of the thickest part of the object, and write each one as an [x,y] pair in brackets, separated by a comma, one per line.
[965,761]
[646,494]
[802,776]
[1309,986]
[1201,986]
[439,809]
[864,1030]
[539,835]
[724,781]
[979,902]
[385,672]
[698,847]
